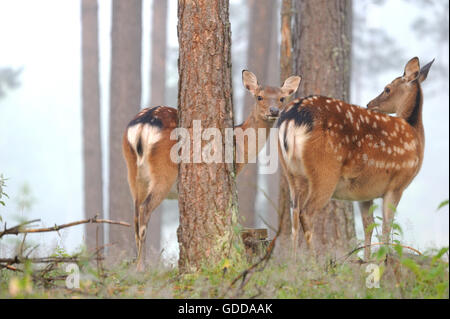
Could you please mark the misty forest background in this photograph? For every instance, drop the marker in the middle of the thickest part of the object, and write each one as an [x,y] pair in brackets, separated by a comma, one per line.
[56,126]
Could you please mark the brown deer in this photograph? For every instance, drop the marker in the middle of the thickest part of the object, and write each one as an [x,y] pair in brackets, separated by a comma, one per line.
[331,149]
[147,144]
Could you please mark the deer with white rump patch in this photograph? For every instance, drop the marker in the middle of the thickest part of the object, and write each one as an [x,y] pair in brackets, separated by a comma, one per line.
[331,149]
[147,145]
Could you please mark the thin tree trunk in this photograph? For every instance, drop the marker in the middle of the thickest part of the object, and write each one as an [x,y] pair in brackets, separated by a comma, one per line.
[157,96]
[286,70]
[260,34]
[125,103]
[272,181]
[322,56]
[207,192]
[92,146]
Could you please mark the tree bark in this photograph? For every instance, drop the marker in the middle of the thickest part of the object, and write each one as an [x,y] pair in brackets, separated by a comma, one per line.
[272,181]
[260,35]
[206,192]
[92,145]
[286,70]
[322,56]
[158,96]
[125,100]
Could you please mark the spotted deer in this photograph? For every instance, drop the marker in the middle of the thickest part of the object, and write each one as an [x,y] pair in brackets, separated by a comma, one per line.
[331,149]
[147,144]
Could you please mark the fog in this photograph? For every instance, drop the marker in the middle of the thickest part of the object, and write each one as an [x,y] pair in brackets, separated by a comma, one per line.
[40,121]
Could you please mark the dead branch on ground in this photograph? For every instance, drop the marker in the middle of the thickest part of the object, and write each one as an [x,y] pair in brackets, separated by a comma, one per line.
[19,229]
[41,275]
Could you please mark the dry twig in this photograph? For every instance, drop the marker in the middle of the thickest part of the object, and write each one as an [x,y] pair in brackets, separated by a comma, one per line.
[19,229]
[345,257]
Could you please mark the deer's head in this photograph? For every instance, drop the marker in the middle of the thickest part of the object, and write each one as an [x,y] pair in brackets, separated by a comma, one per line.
[403,88]
[270,101]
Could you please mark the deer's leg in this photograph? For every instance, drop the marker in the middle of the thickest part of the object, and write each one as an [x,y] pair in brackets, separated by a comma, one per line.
[390,202]
[299,194]
[320,190]
[136,225]
[159,190]
[142,231]
[294,203]
[367,220]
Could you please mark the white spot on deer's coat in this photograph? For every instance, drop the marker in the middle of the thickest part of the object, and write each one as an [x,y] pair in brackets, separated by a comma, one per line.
[349,115]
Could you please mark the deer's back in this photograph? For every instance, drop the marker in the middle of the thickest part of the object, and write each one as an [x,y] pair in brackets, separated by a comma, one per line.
[372,152]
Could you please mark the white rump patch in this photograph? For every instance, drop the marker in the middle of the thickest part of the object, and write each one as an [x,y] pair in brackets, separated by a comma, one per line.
[149,135]
[296,137]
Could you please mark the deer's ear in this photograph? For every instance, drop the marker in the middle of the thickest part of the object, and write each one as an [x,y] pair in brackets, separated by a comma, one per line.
[412,70]
[291,84]
[250,81]
[424,71]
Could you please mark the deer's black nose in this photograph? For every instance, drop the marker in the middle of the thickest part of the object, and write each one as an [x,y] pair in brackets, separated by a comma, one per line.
[274,111]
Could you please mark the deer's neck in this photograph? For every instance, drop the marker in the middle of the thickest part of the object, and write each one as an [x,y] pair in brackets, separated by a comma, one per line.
[412,112]
[254,122]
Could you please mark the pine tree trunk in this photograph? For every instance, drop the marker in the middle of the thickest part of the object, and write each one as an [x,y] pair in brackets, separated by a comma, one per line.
[206,192]
[92,145]
[322,56]
[125,103]
[157,97]
[272,181]
[284,211]
[260,35]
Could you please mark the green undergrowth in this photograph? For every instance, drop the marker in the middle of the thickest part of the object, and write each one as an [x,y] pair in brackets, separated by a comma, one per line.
[394,271]
[405,276]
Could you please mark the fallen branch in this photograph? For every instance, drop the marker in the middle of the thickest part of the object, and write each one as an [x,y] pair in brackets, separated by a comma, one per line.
[379,244]
[44,275]
[40,260]
[14,230]
[20,230]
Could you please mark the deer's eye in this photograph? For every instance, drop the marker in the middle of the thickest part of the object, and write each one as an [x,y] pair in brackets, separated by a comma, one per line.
[387,90]
[282,99]
[259,97]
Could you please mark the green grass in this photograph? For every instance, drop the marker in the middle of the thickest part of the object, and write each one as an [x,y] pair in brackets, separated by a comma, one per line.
[401,277]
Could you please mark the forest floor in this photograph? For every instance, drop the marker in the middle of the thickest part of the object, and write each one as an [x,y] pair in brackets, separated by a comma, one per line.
[401,275]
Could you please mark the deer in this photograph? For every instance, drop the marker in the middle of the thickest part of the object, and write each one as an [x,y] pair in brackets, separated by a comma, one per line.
[330,149]
[146,149]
